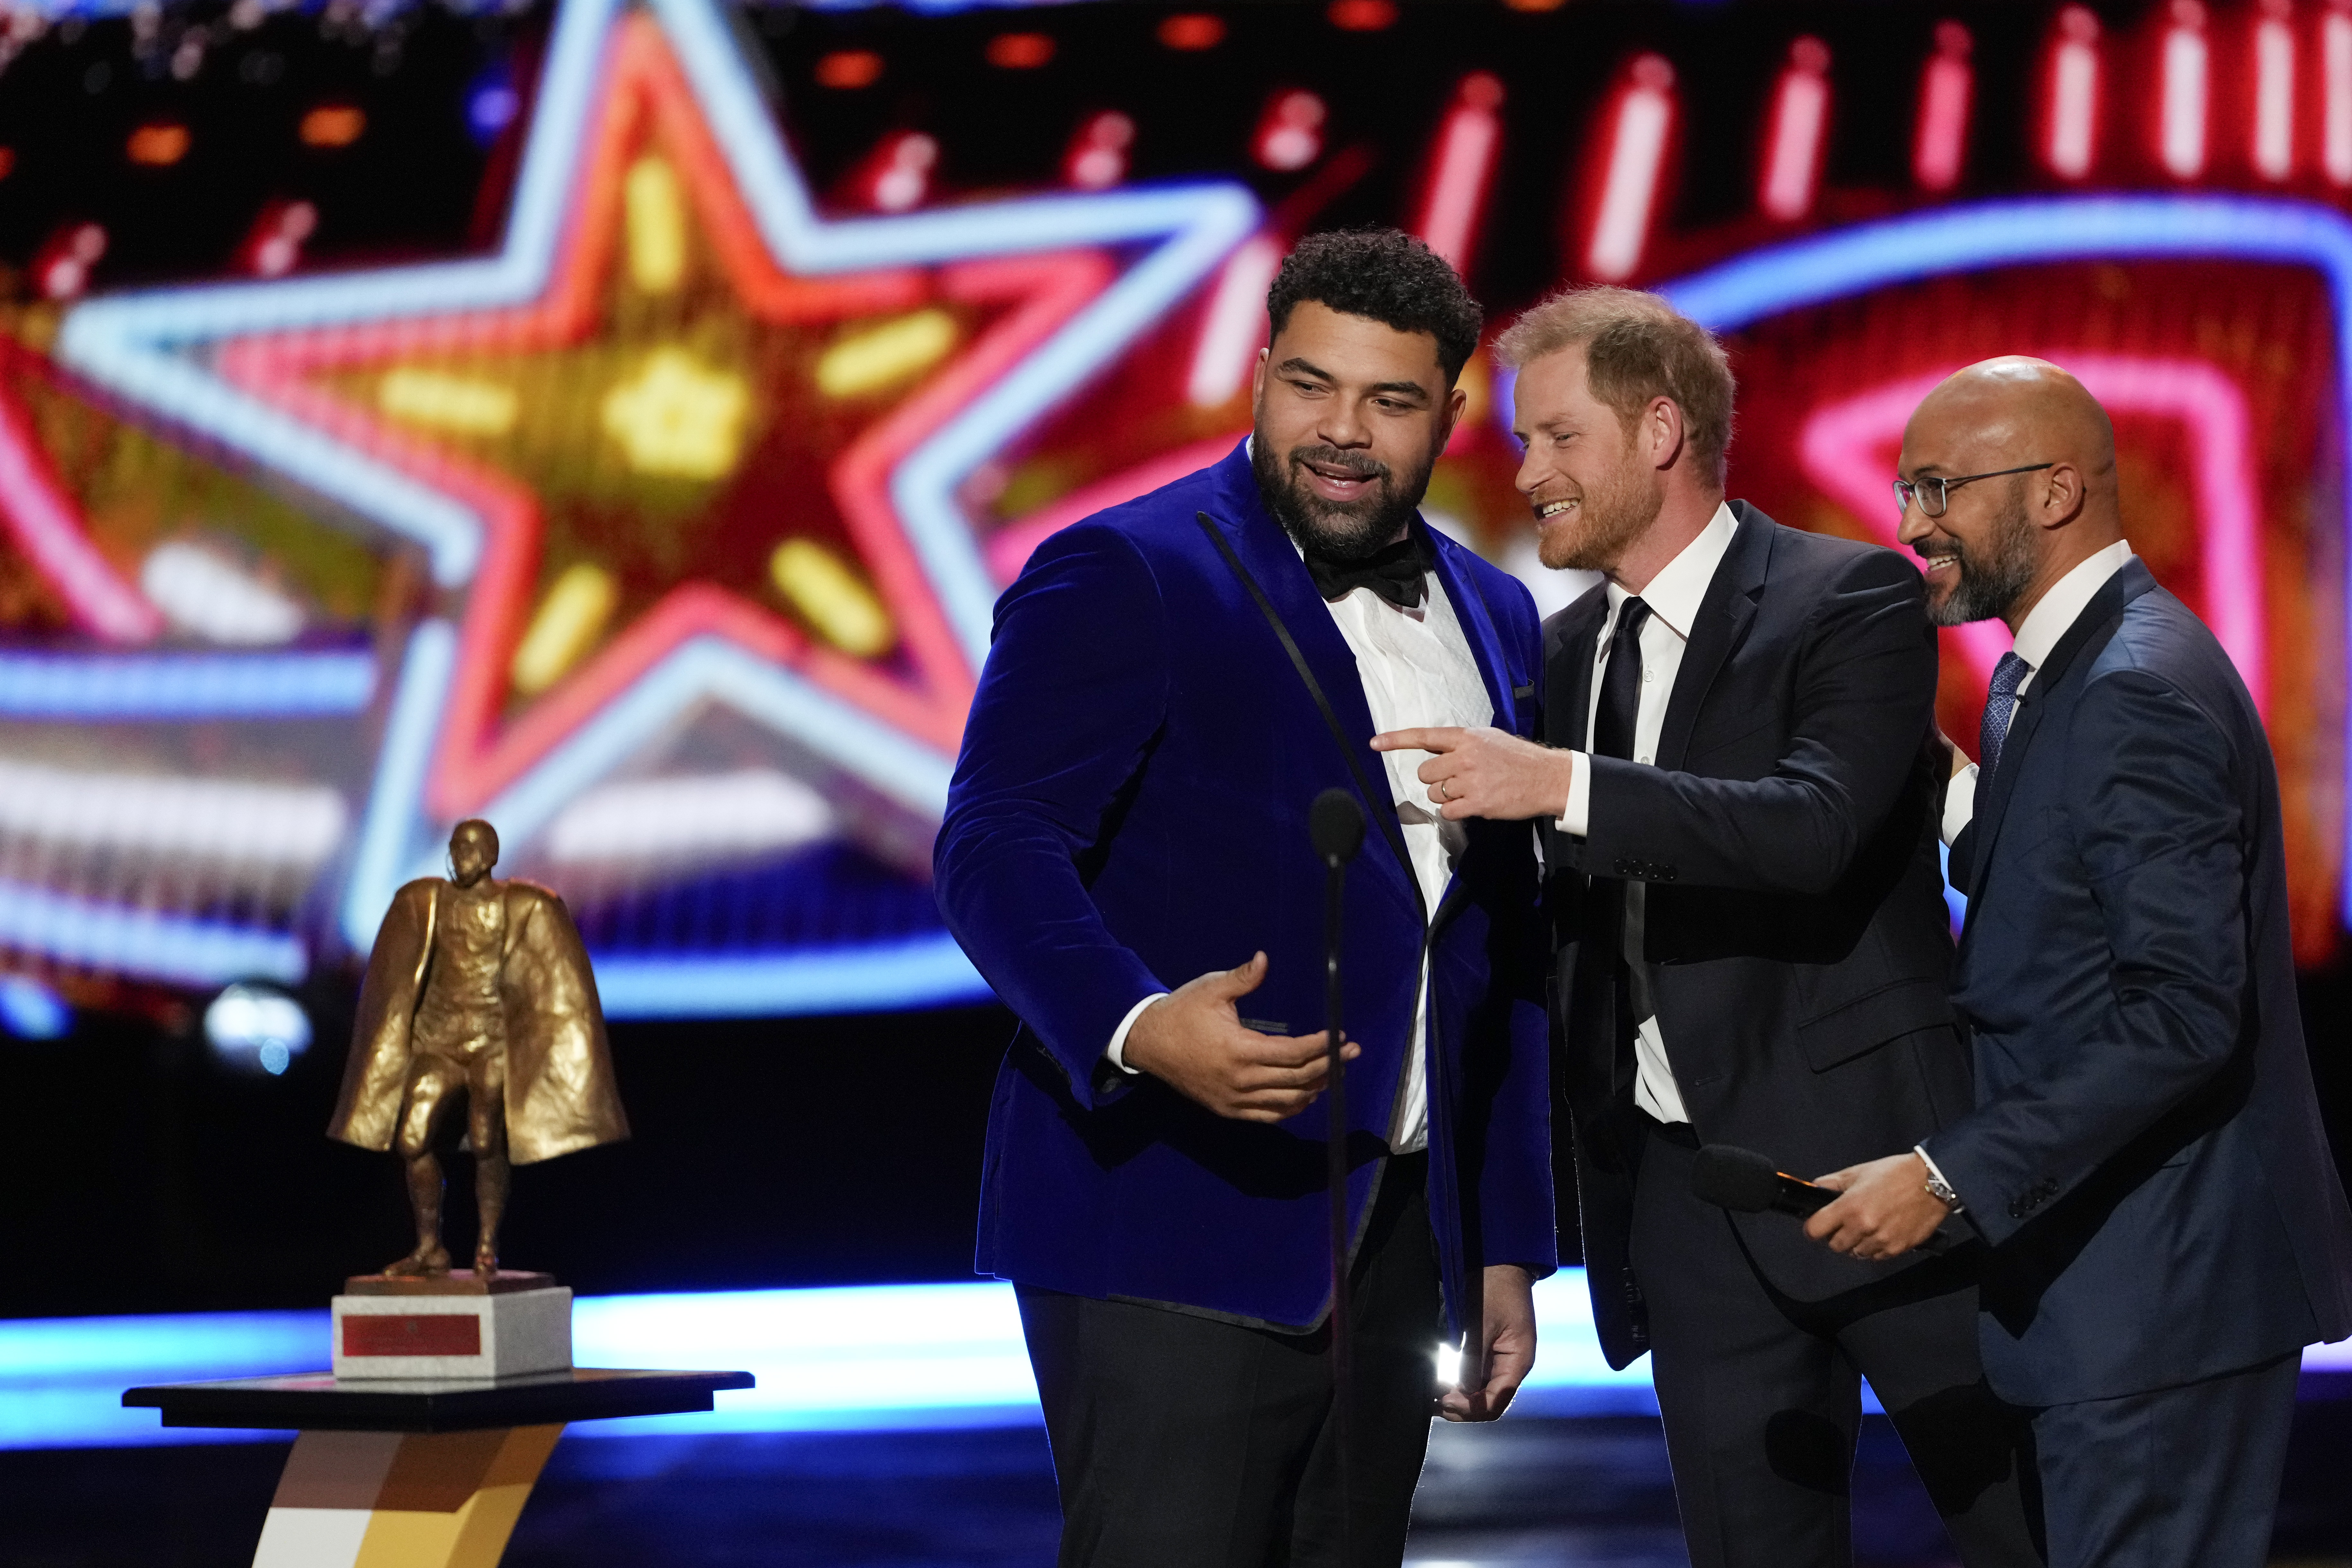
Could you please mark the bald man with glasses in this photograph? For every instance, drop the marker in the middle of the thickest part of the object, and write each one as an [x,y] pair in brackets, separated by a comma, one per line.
[2145,1159]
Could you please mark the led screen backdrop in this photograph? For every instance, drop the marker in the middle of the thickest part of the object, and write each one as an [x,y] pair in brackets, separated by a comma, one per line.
[618,421]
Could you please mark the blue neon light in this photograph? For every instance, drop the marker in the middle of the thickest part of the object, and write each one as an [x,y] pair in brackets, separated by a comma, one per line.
[171,948]
[119,687]
[925,972]
[31,1011]
[2069,229]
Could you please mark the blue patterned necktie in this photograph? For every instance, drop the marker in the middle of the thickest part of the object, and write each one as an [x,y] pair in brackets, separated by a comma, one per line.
[2000,707]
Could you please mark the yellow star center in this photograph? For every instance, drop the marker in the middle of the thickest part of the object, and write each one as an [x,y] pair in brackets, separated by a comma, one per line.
[679,417]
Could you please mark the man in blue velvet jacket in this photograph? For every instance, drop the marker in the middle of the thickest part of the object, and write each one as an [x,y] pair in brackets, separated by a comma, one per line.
[1126,859]
[2145,1156]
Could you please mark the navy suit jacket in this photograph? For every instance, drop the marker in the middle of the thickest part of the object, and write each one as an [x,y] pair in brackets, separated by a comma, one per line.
[1129,812]
[2146,1154]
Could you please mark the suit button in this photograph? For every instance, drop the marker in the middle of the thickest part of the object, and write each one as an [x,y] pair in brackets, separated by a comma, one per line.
[1666,873]
[1626,869]
[2016,1208]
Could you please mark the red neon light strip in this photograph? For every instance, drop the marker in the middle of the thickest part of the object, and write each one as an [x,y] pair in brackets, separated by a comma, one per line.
[48,527]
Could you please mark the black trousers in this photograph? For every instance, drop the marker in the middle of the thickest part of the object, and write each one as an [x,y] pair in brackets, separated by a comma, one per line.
[2182,1477]
[1761,1395]
[1184,1441]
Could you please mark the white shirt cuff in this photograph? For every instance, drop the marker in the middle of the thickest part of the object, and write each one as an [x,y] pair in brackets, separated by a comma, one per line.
[1959,802]
[1579,815]
[1116,1052]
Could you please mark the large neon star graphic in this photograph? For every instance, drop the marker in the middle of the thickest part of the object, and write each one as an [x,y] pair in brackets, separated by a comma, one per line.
[230,364]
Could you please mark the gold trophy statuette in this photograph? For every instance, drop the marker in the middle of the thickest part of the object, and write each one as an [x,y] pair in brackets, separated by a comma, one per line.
[475,989]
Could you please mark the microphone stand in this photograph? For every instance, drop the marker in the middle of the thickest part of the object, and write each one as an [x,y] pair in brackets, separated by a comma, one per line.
[1337,825]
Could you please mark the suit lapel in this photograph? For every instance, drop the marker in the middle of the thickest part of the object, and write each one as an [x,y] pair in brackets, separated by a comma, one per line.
[1571,642]
[1477,628]
[1716,630]
[1259,543]
[2091,629]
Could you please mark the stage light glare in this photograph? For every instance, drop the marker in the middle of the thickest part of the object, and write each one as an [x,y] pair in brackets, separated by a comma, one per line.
[1191,30]
[1947,85]
[144,942]
[200,591]
[1020,51]
[292,827]
[2273,148]
[333,125]
[1449,1366]
[1637,155]
[752,811]
[158,146]
[655,224]
[2186,91]
[883,356]
[1289,134]
[679,417]
[256,1028]
[1233,328]
[31,1011]
[464,404]
[1362,15]
[2073,110]
[1467,145]
[1798,132]
[2335,67]
[847,69]
[1096,158]
[832,598]
[569,621]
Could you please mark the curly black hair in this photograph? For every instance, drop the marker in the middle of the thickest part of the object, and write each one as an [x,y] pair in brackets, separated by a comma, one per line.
[1384,275]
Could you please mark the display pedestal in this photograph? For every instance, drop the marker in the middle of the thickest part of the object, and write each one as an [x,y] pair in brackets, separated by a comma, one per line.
[423,1473]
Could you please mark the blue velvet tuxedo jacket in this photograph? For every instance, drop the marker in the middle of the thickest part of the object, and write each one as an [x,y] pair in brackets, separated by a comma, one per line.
[2146,1156]
[1129,812]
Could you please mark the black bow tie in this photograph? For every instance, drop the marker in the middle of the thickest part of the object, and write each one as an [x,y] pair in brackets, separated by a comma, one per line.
[1394,573]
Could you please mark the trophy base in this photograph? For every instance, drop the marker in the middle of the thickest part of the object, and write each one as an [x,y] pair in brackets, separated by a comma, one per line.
[457,1282]
[451,1326]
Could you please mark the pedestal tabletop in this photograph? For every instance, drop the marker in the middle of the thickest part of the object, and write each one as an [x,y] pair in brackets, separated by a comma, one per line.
[315,1402]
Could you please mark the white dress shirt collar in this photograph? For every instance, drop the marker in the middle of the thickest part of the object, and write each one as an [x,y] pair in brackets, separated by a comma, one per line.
[1676,593]
[2064,604]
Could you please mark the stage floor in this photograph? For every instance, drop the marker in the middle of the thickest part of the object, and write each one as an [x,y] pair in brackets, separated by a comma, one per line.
[1562,1493]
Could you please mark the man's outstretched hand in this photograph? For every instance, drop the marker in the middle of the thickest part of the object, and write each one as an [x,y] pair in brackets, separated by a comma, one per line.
[1192,1040]
[1883,1211]
[1486,772]
[1510,1338]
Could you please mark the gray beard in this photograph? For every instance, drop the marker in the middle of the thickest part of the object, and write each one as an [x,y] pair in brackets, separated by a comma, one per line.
[1335,532]
[1989,587]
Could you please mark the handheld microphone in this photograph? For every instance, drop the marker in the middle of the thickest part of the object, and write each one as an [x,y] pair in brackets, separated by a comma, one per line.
[1335,825]
[1745,1182]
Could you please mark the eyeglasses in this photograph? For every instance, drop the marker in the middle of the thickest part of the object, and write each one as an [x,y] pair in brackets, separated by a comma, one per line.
[1934,495]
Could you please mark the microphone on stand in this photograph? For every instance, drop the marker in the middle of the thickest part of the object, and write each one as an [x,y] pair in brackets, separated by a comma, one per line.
[1335,825]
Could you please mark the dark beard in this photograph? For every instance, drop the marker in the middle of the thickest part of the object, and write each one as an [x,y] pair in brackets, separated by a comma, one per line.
[1352,531]
[1988,586]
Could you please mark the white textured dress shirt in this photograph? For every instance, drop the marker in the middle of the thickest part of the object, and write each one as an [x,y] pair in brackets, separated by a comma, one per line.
[1418,673]
[2047,622]
[1674,596]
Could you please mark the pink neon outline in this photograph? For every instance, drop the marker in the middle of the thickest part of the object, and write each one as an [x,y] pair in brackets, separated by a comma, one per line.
[1800,114]
[48,527]
[1844,447]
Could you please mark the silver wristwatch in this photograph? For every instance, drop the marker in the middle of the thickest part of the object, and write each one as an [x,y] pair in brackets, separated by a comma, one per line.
[1938,1188]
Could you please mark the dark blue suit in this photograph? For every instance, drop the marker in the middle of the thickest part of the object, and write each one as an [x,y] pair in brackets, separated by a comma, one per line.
[1129,812]
[2146,1154]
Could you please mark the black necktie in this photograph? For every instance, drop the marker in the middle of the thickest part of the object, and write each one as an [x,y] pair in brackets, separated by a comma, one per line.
[1604,1023]
[1621,685]
[1396,574]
